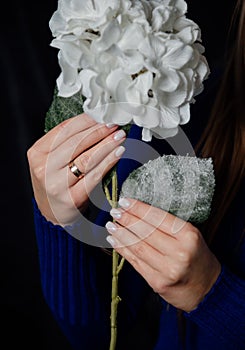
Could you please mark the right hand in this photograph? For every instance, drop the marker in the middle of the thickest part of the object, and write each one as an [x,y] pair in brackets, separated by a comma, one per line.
[59,194]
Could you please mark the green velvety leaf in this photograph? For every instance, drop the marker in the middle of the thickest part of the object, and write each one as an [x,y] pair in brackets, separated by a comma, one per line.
[182,185]
[62,108]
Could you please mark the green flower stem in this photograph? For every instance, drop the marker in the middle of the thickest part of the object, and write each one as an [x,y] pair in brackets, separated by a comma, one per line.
[107,193]
[117,265]
[114,300]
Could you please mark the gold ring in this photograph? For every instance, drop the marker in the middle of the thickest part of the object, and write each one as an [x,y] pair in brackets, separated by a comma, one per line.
[74,169]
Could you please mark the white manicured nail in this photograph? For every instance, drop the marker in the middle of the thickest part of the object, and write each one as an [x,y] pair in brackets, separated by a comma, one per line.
[119,135]
[110,125]
[115,213]
[110,226]
[123,202]
[111,241]
[119,151]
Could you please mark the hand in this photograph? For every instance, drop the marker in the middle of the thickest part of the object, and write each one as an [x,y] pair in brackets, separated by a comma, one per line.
[168,252]
[94,148]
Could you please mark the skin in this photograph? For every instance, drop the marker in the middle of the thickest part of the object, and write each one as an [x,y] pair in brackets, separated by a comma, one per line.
[168,252]
[59,194]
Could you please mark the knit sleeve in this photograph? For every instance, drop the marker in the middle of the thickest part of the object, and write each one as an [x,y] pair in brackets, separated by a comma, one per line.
[75,279]
[76,283]
[222,312]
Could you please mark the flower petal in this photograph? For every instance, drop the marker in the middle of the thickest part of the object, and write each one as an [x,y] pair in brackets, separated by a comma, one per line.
[162,133]
[184,113]
[68,82]
[178,54]
[109,36]
[168,81]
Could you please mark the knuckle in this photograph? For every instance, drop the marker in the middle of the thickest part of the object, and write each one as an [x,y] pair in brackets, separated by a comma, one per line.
[184,256]
[132,260]
[191,235]
[174,275]
[31,155]
[97,132]
[39,172]
[159,286]
[63,125]
[196,239]
[53,191]
[83,161]
[196,235]
[139,250]
[63,129]
[100,132]
[188,226]
[125,220]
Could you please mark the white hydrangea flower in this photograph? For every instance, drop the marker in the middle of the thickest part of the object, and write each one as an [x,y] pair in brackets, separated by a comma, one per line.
[134,61]
[76,16]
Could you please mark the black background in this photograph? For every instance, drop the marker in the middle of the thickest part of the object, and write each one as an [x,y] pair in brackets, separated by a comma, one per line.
[29,69]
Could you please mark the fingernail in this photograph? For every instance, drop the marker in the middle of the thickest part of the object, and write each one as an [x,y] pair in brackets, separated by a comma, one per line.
[110,226]
[123,202]
[115,213]
[111,241]
[119,135]
[119,151]
[110,125]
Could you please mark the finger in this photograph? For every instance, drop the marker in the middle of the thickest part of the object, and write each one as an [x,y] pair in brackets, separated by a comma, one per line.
[90,180]
[95,155]
[78,143]
[136,252]
[146,271]
[157,217]
[164,243]
[63,131]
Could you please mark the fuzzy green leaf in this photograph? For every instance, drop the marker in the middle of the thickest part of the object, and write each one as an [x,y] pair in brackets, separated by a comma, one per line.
[62,108]
[182,185]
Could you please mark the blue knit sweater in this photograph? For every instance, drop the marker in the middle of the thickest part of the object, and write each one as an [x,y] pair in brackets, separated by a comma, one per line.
[76,282]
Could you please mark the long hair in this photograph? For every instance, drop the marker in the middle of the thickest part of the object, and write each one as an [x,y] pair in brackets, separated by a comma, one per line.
[224,136]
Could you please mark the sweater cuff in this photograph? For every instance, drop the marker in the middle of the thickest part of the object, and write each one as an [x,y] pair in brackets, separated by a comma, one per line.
[222,312]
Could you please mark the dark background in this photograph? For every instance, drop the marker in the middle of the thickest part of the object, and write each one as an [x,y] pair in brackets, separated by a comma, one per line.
[29,69]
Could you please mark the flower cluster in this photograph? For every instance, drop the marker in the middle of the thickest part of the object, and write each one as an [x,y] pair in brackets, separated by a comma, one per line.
[134,61]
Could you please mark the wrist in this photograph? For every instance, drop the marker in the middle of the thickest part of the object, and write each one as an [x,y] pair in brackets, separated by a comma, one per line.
[204,288]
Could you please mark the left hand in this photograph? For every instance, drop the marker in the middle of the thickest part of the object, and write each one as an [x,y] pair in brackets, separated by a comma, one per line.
[168,252]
